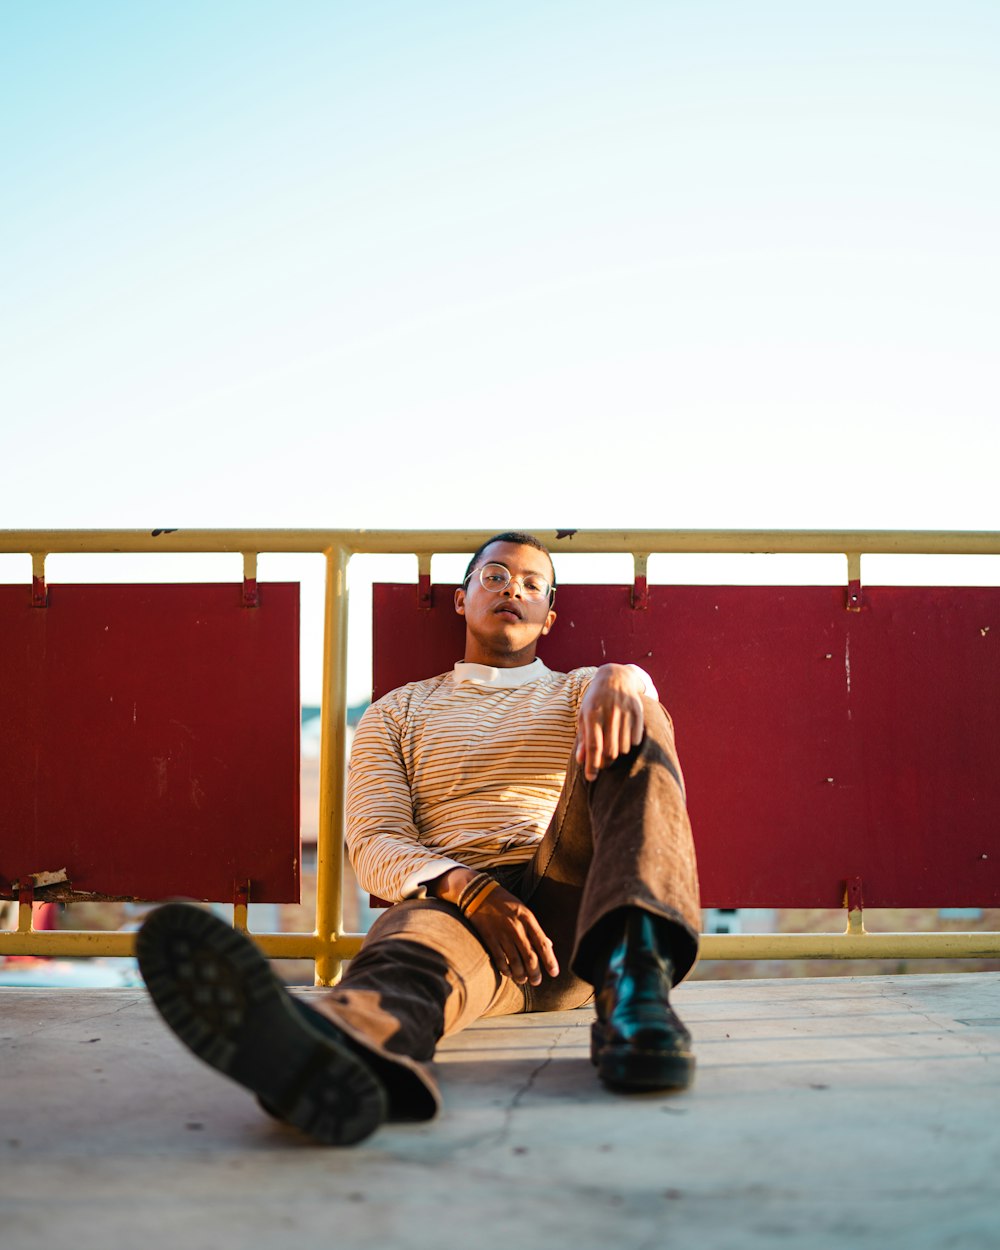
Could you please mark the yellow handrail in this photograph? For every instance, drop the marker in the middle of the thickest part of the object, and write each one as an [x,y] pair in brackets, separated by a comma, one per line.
[585,541]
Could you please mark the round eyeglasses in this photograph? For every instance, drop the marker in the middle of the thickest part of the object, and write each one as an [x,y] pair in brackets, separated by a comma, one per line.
[497,577]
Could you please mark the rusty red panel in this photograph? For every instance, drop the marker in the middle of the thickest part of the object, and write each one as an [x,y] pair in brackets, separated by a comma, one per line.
[819,744]
[149,740]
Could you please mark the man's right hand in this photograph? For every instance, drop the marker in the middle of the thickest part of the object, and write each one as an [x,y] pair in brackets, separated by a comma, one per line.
[518,945]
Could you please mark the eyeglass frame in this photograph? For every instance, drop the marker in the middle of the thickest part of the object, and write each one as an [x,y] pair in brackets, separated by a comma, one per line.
[511,577]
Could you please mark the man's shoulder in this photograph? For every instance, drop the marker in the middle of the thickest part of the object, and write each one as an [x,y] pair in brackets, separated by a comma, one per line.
[413,692]
[575,676]
[563,688]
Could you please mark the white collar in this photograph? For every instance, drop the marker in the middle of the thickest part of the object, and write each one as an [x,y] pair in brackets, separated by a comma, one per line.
[500,678]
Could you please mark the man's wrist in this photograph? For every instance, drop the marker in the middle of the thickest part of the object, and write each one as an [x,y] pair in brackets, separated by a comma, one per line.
[450,884]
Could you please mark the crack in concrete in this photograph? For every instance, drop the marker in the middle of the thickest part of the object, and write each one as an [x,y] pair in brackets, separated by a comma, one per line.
[498,1137]
[936,1021]
[49,1026]
[434,1154]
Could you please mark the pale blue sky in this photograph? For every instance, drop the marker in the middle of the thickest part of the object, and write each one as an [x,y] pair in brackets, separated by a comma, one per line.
[451,264]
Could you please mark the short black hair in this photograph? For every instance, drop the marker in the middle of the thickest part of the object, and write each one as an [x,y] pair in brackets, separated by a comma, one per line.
[520,539]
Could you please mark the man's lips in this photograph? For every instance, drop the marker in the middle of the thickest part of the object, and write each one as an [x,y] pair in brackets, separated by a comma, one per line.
[509,608]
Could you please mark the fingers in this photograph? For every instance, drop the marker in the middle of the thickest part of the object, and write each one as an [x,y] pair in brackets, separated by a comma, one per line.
[638,722]
[597,744]
[519,946]
[594,753]
[529,952]
[514,967]
[607,731]
[542,951]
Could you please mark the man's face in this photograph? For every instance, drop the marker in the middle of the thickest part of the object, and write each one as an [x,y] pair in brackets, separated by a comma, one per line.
[502,628]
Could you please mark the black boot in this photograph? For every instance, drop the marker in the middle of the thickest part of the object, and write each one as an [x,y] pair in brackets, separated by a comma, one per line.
[216,991]
[637,1041]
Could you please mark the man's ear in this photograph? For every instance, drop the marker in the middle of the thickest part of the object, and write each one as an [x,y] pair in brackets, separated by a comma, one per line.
[550,620]
[460,601]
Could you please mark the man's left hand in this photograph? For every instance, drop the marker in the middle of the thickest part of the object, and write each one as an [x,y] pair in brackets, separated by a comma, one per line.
[611,720]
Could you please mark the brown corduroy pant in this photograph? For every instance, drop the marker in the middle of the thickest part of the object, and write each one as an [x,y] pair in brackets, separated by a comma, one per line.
[623,840]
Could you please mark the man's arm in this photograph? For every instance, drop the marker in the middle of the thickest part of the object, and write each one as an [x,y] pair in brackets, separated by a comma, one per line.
[610,721]
[382,838]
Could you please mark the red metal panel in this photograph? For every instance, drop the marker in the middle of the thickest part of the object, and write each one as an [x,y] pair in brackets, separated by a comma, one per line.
[819,745]
[149,740]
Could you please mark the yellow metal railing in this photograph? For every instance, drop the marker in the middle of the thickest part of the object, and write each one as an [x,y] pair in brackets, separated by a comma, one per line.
[328,944]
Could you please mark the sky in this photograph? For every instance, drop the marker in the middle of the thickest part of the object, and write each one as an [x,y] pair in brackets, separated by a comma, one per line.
[721,264]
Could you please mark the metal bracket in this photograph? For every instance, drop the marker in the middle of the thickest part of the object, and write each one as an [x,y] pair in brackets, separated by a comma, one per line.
[25,899]
[39,591]
[425,595]
[251,598]
[854,902]
[640,586]
[855,599]
[241,900]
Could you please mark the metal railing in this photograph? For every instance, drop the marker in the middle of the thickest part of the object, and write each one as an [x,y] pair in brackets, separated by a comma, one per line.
[328,944]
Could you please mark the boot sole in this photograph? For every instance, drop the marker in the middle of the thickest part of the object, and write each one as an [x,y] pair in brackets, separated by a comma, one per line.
[627,1068]
[216,991]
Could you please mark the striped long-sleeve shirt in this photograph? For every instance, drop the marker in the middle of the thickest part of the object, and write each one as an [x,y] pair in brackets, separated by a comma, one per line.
[461,769]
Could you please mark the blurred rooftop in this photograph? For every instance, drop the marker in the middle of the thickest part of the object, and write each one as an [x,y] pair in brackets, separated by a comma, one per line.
[842,1110]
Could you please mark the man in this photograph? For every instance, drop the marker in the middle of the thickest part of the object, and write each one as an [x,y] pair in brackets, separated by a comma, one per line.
[519,883]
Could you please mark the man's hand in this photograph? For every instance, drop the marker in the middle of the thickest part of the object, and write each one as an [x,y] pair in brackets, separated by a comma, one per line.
[611,720]
[518,945]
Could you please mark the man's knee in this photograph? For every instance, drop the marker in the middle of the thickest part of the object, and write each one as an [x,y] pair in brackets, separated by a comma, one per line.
[657,749]
[658,722]
[429,944]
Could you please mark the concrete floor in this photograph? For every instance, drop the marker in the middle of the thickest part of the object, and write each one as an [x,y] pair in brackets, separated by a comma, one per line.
[832,1112]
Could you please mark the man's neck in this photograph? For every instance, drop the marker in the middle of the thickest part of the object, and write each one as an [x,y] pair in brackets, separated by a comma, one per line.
[501,659]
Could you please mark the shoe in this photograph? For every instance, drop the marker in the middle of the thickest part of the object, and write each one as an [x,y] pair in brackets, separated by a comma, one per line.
[637,1041]
[217,992]
[410,1095]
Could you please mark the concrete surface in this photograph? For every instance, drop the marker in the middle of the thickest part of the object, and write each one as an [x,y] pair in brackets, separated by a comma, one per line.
[832,1112]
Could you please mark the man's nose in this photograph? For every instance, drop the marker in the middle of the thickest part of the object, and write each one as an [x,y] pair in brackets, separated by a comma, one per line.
[515,585]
